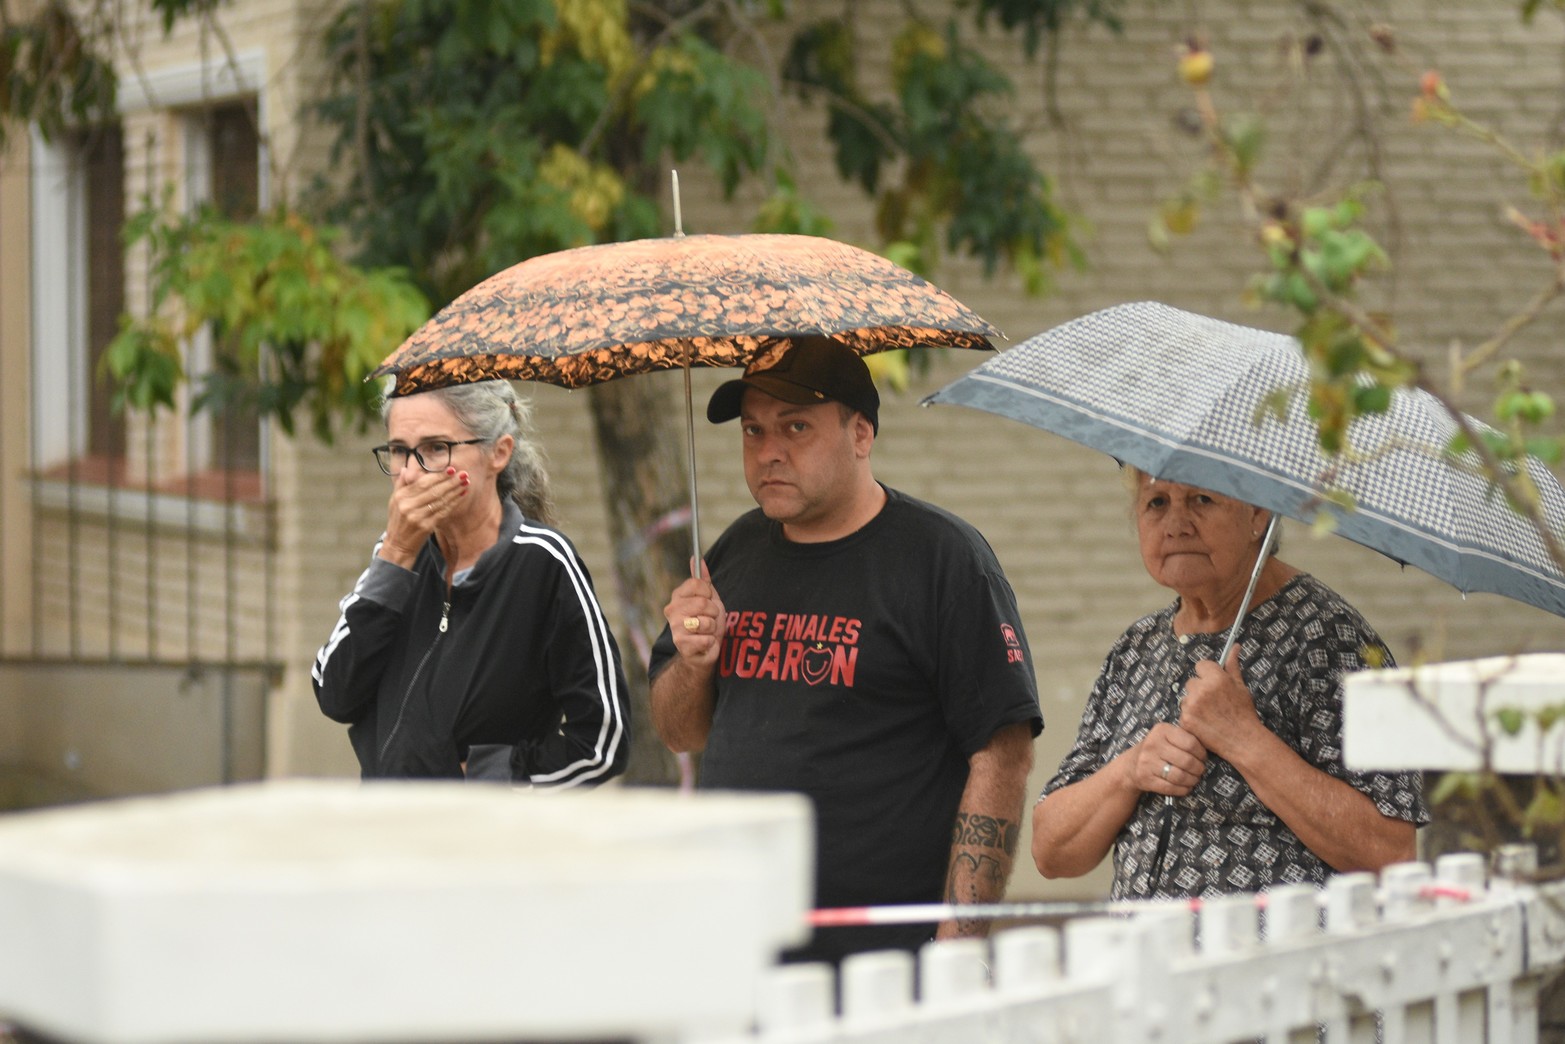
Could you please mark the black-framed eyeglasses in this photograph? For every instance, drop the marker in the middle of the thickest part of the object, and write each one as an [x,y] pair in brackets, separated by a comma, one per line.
[433,455]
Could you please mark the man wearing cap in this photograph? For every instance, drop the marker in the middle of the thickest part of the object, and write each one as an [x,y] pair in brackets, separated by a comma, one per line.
[856,645]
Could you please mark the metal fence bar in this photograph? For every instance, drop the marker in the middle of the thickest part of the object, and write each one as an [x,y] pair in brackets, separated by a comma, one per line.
[230,603]
[192,586]
[74,278]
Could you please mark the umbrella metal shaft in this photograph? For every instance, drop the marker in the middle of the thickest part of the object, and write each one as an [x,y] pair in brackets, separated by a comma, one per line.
[1249,592]
[690,442]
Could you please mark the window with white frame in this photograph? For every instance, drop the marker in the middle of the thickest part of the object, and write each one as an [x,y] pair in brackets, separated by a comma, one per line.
[78,205]
[223,171]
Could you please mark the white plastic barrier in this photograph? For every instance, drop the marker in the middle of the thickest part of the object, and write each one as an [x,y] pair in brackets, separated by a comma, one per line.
[1434,956]
[1442,716]
[322,911]
[334,912]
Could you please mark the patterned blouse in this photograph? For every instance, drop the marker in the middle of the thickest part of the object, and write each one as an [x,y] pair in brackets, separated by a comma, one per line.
[1294,649]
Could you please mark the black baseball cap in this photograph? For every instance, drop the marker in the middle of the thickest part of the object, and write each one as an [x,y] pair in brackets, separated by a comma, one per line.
[812,370]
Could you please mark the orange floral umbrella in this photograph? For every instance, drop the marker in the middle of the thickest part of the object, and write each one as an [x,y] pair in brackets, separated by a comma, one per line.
[583,316]
[578,317]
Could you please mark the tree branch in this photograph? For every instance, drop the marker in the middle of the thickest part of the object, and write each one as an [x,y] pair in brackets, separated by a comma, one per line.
[1516,323]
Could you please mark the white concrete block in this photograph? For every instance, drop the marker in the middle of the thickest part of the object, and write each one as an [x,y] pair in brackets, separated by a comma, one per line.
[334,911]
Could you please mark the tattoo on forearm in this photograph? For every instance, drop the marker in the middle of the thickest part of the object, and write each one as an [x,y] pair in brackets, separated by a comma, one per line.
[982,848]
[975,879]
[986,832]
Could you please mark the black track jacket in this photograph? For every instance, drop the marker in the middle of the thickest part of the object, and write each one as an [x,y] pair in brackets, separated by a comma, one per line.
[525,661]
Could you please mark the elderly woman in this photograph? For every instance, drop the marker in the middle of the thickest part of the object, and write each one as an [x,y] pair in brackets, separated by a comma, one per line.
[1250,751]
[473,645]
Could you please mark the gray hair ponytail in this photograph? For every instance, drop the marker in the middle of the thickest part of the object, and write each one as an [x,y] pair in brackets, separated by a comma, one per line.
[490,409]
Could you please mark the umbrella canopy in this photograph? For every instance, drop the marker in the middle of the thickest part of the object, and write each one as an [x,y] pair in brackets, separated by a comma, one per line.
[578,317]
[1186,397]
[583,316]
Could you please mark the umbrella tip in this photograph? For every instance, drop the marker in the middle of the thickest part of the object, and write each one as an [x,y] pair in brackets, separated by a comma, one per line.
[679,220]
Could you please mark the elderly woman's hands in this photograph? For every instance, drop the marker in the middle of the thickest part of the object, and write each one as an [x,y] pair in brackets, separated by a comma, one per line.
[1218,708]
[1168,760]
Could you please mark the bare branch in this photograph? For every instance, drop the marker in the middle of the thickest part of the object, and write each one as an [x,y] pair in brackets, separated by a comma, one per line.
[1516,323]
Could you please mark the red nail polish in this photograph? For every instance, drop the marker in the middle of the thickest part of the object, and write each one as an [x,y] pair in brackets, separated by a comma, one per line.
[450,471]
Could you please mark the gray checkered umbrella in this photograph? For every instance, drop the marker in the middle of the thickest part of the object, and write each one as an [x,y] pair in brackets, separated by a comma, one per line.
[1183,396]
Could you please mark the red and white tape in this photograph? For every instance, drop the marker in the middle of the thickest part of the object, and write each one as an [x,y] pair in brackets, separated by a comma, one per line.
[930,913]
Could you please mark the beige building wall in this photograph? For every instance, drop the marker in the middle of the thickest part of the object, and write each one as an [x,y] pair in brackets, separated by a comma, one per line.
[16,573]
[1054,512]
[16,576]
[103,574]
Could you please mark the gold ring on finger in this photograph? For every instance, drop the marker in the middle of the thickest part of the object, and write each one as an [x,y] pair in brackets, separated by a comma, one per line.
[692,623]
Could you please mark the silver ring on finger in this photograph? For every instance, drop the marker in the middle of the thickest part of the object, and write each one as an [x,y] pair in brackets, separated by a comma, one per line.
[1167,768]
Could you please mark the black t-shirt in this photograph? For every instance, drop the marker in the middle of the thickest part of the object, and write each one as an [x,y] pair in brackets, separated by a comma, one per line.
[863,672]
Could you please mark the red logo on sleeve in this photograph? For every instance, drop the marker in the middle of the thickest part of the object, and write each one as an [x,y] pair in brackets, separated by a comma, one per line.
[1014,653]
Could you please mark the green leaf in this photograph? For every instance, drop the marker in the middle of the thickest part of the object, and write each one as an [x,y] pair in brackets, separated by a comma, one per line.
[1509,719]
[1157,233]
[1549,450]
[1297,292]
[787,211]
[268,286]
[1246,137]
[1315,222]
[141,364]
[1372,398]
[1041,19]
[1456,784]
[1341,499]
[1549,716]
[696,99]
[1544,810]
[1537,407]
[1274,404]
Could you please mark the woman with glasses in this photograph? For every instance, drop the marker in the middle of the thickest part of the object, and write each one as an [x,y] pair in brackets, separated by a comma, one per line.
[473,646]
